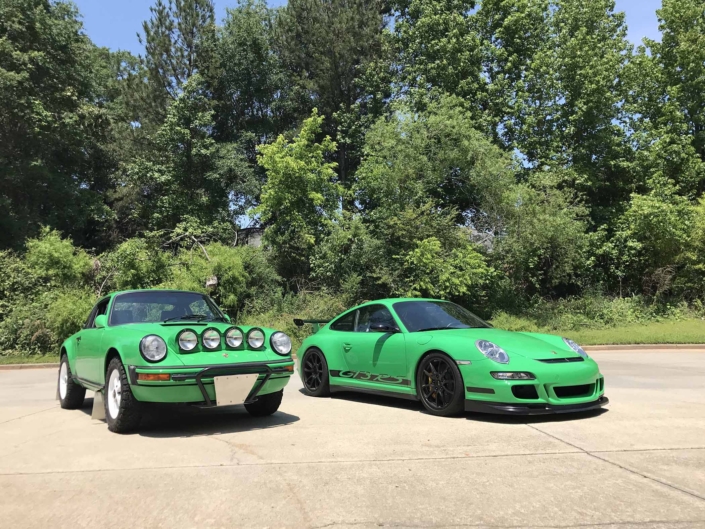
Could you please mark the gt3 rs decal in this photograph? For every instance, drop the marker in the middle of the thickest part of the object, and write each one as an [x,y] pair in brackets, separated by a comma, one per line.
[371,377]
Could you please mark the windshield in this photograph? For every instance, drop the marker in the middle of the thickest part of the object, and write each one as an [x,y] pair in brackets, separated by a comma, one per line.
[159,306]
[436,315]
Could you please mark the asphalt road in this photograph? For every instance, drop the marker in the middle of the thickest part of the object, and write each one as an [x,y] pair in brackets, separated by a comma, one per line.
[360,461]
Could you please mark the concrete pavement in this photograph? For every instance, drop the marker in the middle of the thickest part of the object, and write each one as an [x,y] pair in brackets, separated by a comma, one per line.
[363,461]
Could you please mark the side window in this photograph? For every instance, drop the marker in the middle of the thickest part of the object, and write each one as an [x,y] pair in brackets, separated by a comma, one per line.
[100,309]
[344,323]
[374,314]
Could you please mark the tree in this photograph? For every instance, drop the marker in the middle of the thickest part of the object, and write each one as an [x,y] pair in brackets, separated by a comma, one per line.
[300,199]
[667,101]
[440,49]
[329,49]
[250,90]
[54,164]
[433,156]
[179,41]
[189,184]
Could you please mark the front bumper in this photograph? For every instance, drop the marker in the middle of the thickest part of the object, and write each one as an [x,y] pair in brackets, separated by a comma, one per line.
[533,409]
[194,384]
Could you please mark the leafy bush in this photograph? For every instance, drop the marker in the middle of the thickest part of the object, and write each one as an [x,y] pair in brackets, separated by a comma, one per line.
[57,259]
[67,313]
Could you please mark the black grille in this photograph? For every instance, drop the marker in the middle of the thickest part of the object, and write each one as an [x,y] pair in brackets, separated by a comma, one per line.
[525,392]
[562,360]
[567,392]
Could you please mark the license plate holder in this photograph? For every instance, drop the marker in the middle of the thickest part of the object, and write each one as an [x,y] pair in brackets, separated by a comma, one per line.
[233,389]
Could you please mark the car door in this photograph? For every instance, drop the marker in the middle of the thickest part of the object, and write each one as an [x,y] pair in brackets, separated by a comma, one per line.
[373,356]
[89,353]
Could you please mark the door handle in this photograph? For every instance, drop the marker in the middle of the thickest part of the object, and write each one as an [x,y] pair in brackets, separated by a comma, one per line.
[347,346]
[78,340]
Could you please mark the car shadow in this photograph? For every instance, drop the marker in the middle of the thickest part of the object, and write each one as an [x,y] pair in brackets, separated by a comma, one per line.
[414,405]
[179,420]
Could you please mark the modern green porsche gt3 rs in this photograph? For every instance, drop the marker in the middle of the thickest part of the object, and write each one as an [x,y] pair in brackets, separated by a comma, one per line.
[449,359]
[168,346]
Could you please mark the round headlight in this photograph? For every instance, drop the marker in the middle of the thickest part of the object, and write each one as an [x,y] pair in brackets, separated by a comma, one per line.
[255,338]
[153,348]
[211,339]
[281,343]
[234,337]
[492,351]
[187,340]
[575,347]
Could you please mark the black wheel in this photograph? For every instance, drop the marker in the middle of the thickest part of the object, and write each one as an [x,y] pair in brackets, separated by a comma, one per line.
[71,395]
[315,371]
[265,404]
[440,386]
[122,411]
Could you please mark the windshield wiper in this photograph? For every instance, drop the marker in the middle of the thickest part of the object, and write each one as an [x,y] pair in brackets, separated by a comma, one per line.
[197,317]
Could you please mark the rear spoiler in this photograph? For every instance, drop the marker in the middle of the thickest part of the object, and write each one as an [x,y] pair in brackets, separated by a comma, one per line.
[316,323]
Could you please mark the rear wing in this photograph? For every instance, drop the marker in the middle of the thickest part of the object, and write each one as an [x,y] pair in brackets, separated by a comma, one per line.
[317,324]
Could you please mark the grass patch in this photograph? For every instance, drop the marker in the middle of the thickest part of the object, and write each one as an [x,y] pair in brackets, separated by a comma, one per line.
[685,331]
[27,359]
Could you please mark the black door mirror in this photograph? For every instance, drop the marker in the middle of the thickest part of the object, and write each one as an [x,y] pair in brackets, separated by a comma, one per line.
[383,327]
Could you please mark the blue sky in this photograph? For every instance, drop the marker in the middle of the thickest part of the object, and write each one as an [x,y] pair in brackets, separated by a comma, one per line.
[115,23]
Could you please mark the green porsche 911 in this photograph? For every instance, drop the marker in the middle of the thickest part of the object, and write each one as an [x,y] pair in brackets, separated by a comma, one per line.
[170,346]
[449,359]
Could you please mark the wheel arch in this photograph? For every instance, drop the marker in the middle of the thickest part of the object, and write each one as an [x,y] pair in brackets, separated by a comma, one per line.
[421,358]
[109,355]
[67,350]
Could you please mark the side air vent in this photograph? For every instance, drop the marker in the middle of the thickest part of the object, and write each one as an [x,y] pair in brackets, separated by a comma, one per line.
[562,360]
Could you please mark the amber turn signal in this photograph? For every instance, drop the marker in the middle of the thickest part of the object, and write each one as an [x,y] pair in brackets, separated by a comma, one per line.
[289,368]
[149,377]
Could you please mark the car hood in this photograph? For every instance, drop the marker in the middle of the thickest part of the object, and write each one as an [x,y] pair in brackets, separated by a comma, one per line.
[534,346]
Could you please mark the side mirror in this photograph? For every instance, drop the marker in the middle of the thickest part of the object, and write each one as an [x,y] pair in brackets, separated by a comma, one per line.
[101,321]
[383,327]
[227,318]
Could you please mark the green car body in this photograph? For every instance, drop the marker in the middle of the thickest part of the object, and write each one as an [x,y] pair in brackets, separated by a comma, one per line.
[186,376]
[389,360]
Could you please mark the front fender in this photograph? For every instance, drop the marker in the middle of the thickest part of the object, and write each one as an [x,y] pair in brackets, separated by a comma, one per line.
[69,348]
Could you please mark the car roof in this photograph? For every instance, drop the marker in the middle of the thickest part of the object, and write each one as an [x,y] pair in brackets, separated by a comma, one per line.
[389,301]
[155,290]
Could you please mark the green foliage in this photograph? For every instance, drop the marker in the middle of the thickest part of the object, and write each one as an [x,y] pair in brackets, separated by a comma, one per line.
[67,312]
[134,264]
[196,265]
[300,199]
[431,272]
[57,260]
[54,160]
[544,245]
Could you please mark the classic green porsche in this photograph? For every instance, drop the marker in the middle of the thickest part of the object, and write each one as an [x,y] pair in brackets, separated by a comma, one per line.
[169,346]
[449,359]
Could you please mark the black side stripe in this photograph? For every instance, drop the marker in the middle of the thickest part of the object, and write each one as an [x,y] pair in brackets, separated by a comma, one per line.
[371,377]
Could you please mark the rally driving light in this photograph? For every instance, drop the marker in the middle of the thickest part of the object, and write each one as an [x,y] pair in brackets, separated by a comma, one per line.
[255,338]
[188,340]
[153,348]
[575,347]
[211,339]
[281,343]
[234,337]
[512,375]
[492,351]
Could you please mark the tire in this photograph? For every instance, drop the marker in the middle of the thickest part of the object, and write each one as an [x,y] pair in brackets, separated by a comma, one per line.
[122,411]
[71,395]
[314,369]
[439,385]
[265,404]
